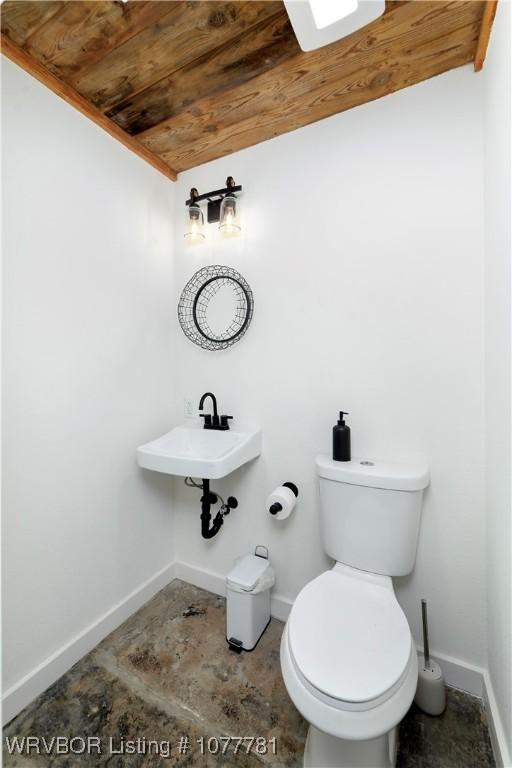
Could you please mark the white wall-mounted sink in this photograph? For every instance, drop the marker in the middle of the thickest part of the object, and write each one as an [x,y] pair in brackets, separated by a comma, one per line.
[196,452]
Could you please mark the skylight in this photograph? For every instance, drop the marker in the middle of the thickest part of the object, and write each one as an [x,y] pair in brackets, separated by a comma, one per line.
[321,22]
[326,12]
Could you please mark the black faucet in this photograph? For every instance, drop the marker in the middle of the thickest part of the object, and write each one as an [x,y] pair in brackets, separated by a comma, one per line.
[215,421]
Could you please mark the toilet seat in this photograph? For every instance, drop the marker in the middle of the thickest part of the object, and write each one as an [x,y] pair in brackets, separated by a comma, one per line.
[351,720]
[349,640]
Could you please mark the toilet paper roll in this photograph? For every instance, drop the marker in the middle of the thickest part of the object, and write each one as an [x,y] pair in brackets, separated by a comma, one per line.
[281,502]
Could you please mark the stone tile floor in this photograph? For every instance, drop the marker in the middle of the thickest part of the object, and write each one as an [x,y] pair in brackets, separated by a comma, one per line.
[167,673]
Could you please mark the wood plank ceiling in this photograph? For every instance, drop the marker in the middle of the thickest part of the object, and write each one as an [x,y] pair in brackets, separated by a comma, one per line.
[182,83]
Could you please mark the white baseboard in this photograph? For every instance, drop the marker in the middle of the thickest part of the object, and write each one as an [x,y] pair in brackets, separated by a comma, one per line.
[200,577]
[496,727]
[45,674]
[459,674]
[477,681]
[213,582]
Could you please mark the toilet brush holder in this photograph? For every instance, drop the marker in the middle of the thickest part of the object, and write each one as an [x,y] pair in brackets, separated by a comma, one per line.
[430,692]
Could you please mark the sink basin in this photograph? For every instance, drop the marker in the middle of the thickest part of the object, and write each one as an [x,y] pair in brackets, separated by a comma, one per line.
[196,452]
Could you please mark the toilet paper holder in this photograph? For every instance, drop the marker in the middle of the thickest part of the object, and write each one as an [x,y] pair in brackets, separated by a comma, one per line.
[277,506]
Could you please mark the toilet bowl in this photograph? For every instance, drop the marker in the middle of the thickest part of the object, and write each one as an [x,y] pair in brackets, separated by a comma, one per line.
[349,664]
[347,654]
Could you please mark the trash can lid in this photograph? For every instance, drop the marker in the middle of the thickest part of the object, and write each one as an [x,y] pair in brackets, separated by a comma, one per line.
[247,572]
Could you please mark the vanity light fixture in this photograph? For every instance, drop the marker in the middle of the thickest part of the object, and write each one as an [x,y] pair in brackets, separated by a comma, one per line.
[223,207]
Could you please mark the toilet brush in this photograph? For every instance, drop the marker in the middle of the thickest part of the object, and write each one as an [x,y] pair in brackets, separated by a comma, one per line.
[430,693]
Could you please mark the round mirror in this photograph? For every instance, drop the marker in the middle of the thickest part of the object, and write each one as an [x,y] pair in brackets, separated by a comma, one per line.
[215,307]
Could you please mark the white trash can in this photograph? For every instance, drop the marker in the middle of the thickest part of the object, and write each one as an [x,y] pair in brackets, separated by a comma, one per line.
[248,587]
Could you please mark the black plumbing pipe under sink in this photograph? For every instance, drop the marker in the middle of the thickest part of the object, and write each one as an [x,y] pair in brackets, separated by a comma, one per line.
[206,503]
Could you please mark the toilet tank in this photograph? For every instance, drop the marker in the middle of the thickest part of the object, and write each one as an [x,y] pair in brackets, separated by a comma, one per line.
[370,513]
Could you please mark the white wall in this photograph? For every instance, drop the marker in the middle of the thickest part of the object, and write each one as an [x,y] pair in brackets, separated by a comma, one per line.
[498,338]
[363,246]
[363,243]
[87,372]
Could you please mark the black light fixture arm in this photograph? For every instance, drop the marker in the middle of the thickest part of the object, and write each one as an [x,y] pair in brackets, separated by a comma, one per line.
[230,187]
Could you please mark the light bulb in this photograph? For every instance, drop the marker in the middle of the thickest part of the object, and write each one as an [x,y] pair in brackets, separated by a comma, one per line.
[229,222]
[194,229]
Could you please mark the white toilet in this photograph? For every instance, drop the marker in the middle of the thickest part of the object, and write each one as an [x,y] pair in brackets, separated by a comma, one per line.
[347,654]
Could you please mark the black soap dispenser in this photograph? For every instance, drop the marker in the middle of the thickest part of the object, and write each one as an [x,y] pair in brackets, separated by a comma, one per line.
[341,439]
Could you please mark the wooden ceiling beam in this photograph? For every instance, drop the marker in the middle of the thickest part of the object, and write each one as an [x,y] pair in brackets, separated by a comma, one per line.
[66,92]
[485,33]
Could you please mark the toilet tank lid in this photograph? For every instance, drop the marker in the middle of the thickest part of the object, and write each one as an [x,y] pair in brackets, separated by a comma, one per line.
[374,474]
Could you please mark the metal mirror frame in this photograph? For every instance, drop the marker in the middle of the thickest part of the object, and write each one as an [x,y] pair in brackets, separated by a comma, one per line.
[193,303]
